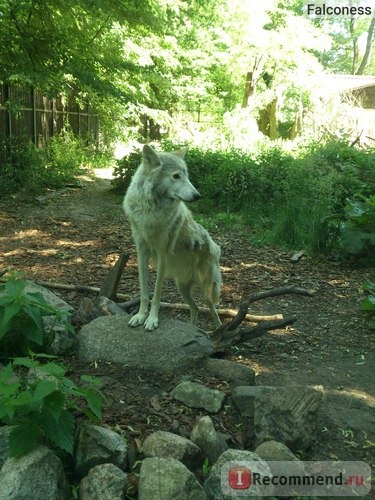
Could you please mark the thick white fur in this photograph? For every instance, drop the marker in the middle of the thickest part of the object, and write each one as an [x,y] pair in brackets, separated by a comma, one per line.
[165,231]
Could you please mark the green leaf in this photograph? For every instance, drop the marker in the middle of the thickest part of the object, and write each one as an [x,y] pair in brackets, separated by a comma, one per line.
[23,438]
[369,285]
[6,373]
[8,389]
[29,363]
[54,404]
[34,334]
[9,313]
[62,433]
[53,369]
[24,398]
[368,304]
[5,299]
[15,286]
[44,388]
[95,402]
[35,314]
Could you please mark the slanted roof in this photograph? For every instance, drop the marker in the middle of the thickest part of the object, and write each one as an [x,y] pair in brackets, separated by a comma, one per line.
[342,83]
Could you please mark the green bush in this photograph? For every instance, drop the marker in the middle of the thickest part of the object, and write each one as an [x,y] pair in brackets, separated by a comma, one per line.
[124,170]
[63,159]
[357,232]
[38,401]
[368,304]
[23,166]
[21,319]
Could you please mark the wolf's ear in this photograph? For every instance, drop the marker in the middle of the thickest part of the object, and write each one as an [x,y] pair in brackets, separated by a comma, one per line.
[180,153]
[150,158]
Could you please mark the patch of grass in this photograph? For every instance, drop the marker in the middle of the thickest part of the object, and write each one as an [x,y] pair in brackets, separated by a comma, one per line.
[27,168]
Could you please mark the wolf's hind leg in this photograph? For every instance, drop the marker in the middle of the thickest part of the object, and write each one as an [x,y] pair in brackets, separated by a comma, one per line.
[186,290]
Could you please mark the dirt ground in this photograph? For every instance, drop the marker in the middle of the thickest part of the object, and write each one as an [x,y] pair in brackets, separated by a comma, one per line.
[74,236]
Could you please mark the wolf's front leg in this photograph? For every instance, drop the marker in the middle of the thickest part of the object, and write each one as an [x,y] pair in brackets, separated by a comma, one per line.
[143,260]
[152,321]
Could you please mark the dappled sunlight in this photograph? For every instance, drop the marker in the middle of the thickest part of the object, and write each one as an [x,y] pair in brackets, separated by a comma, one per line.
[258,265]
[28,233]
[24,251]
[355,394]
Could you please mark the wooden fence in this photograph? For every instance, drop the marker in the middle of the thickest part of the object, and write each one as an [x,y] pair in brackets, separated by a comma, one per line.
[27,113]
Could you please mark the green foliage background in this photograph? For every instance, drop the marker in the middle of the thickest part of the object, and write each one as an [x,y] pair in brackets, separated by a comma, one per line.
[297,197]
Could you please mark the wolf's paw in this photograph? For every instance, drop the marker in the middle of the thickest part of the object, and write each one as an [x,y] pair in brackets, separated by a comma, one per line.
[137,319]
[151,323]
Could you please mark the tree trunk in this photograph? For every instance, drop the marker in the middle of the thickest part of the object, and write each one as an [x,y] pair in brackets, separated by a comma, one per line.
[267,122]
[249,89]
[366,57]
[355,45]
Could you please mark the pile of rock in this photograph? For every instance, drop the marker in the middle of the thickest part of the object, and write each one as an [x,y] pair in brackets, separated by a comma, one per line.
[166,464]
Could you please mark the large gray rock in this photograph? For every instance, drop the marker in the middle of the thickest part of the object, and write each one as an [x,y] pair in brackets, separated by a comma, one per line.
[274,451]
[38,474]
[212,443]
[243,397]
[286,414]
[168,445]
[278,456]
[51,298]
[218,486]
[103,482]
[98,445]
[174,346]
[225,369]
[198,396]
[167,479]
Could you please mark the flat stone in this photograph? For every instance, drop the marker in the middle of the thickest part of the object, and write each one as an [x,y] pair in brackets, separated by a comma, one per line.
[174,346]
[198,396]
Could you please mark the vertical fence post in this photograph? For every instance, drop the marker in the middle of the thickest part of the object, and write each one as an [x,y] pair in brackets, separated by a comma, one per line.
[8,120]
[33,99]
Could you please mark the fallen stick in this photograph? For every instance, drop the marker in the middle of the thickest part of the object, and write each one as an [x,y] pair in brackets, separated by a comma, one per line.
[222,312]
[79,288]
[166,305]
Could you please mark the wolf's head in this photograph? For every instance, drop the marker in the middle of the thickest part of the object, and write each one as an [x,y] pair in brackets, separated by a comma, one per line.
[169,174]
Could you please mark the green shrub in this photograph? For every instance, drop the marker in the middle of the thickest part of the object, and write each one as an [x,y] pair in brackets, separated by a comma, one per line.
[357,232]
[124,170]
[63,159]
[368,304]
[38,401]
[23,166]
[21,319]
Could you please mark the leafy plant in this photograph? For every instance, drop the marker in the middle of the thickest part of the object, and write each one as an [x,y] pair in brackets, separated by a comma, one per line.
[368,304]
[38,401]
[125,169]
[21,318]
[358,231]
[206,467]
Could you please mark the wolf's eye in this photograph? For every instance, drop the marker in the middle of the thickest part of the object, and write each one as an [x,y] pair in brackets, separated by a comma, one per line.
[176,176]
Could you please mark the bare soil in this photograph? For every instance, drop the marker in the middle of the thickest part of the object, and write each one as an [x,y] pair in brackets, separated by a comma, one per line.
[74,236]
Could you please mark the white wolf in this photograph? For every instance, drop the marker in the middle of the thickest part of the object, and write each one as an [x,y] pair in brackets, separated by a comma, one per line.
[165,231]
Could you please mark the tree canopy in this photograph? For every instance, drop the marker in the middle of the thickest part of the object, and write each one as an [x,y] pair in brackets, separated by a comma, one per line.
[170,56]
